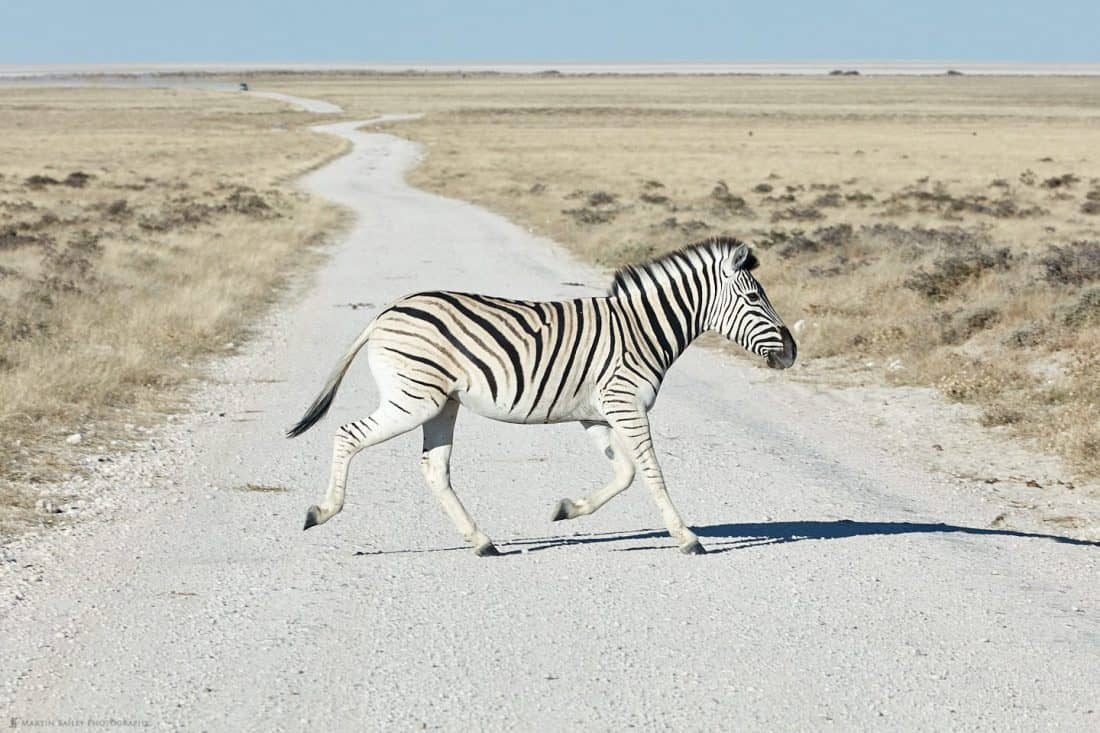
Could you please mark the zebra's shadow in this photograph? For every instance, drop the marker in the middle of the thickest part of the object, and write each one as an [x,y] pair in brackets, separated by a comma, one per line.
[740,536]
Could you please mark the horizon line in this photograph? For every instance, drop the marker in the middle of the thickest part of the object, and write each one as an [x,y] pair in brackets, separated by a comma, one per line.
[760,67]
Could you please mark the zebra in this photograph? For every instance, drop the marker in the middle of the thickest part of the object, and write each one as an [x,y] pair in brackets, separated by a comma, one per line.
[598,361]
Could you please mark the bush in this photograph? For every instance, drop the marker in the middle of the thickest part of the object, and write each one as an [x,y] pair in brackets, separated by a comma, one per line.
[797,213]
[119,209]
[1029,335]
[1074,264]
[950,273]
[721,194]
[601,198]
[829,199]
[1083,311]
[37,181]
[77,179]
[590,216]
[966,323]
[1063,181]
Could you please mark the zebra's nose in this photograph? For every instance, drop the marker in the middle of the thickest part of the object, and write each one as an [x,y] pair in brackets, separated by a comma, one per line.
[784,359]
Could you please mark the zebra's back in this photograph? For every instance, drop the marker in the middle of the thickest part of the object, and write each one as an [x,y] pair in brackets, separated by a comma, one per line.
[511,360]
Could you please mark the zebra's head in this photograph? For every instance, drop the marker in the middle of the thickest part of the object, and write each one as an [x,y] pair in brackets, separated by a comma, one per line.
[744,314]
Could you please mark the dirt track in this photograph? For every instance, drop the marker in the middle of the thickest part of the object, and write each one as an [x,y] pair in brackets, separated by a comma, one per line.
[847,585]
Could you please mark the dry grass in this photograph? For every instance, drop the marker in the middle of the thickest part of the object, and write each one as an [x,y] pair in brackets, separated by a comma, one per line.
[140,230]
[941,230]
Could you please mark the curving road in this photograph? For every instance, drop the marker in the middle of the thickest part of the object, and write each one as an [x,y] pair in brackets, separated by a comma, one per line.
[316,106]
[847,586]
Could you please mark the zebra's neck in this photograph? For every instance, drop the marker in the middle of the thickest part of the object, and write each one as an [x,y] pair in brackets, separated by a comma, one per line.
[666,312]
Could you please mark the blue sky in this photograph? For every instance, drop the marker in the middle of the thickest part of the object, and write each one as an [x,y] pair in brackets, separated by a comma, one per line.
[118,31]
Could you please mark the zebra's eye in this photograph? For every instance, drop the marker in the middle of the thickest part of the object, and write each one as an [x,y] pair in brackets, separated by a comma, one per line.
[753,297]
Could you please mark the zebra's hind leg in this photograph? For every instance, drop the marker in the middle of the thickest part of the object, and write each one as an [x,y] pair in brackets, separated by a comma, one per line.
[435,464]
[621,462]
[388,421]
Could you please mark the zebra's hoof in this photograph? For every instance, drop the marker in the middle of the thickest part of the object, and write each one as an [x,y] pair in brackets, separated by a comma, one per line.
[693,548]
[487,550]
[562,511]
[311,518]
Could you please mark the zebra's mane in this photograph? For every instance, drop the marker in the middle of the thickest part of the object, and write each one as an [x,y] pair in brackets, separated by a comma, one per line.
[709,250]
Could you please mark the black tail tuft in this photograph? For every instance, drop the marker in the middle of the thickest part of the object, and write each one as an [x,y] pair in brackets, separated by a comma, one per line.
[324,400]
[315,412]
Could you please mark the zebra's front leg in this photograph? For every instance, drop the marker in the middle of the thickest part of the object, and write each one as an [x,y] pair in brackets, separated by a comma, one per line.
[623,465]
[631,425]
[435,464]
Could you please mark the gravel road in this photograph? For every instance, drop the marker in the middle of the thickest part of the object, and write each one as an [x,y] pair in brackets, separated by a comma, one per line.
[848,586]
[316,106]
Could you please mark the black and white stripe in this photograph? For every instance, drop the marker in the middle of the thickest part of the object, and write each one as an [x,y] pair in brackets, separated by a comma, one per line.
[599,361]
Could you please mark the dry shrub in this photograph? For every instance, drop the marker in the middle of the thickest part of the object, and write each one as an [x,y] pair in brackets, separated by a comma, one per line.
[831,199]
[960,326]
[981,381]
[796,242]
[1076,263]
[118,209]
[590,216]
[692,226]
[948,274]
[797,213]
[1030,335]
[1063,181]
[15,237]
[601,198]
[1083,311]
[1001,414]
[77,179]
[38,181]
[654,198]
[245,201]
[727,201]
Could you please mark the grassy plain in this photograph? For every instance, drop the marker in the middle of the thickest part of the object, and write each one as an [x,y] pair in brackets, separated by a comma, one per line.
[931,231]
[940,231]
[140,229]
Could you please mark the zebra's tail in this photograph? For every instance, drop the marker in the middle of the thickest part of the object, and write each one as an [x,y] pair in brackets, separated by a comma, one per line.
[323,401]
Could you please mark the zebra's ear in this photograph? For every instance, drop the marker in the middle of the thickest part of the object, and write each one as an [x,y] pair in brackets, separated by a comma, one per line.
[741,258]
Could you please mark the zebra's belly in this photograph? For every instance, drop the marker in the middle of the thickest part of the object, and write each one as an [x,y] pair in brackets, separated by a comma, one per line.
[567,410]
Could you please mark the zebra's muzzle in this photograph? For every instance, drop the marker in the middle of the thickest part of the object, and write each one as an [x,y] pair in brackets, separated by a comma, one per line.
[785,358]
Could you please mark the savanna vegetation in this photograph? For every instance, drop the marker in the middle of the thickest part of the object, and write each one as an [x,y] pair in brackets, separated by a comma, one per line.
[140,230]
